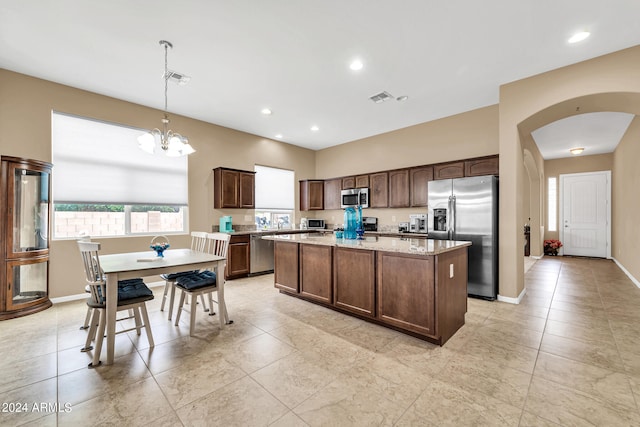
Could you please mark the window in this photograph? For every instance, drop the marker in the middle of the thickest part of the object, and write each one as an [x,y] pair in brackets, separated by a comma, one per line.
[274,197]
[104,185]
[552,204]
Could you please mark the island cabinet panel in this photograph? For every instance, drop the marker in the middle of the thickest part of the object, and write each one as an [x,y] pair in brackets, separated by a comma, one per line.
[448,170]
[406,292]
[286,266]
[399,188]
[332,190]
[379,190]
[316,273]
[354,280]
[451,292]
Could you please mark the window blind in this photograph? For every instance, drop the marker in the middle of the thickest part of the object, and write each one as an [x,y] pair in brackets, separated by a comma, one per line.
[274,188]
[96,162]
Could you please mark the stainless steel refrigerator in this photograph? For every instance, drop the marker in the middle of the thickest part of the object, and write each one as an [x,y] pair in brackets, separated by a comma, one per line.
[467,209]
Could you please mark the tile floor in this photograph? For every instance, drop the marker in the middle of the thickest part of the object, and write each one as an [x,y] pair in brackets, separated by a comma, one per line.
[568,355]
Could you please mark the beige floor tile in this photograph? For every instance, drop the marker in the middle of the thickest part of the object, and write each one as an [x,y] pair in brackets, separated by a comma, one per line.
[26,371]
[592,353]
[50,420]
[566,406]
[531,420]
[609,386]
[174,353]
[511,332]
[419,355]
[258,352]
[445,404]
[290,419]
[23,403]
[133,405]
[169,420]
[529,322]
[242,403]
[600,332]
[511,355]
[367,335]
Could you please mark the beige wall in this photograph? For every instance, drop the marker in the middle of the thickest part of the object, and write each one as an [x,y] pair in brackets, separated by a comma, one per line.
[607,83]
[567,165]
[626,202]
[25,123]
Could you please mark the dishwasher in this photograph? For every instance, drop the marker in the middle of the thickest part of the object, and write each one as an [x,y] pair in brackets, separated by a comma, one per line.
[261,254]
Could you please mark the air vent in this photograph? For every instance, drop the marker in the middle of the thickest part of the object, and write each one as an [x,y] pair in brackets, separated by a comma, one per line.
[381,97]
[178,78]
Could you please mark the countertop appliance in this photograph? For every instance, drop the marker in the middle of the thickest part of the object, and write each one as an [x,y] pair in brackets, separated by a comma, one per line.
[467,209]
[370,223]
[354,197]
[261,253]
[403,227]
[303,223]
[418,223]
[315,224]
[225,224]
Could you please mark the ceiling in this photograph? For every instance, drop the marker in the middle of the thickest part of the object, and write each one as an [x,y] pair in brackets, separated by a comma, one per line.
[293,56]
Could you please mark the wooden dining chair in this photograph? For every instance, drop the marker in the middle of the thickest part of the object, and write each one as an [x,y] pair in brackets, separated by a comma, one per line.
[132,295]
[206,283]
[198,243]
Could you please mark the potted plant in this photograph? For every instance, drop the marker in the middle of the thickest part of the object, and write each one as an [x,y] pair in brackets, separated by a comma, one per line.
[551,247]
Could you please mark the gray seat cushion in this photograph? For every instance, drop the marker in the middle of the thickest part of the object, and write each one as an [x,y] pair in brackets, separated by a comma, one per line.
[197,280]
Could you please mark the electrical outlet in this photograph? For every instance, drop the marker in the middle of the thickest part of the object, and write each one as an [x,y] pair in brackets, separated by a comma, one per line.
[450,271]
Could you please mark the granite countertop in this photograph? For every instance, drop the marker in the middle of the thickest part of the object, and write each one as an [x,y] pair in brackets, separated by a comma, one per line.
[418,246]
[268,231]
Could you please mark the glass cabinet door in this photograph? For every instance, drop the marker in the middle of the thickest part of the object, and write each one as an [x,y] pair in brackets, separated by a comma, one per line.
[30,218]
[26,282]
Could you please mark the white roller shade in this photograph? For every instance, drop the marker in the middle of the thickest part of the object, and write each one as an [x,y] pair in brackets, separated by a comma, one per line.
[274,188]
[98,162]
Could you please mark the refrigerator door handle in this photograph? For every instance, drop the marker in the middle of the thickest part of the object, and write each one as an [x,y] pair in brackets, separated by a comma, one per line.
[450,218]
[453,217]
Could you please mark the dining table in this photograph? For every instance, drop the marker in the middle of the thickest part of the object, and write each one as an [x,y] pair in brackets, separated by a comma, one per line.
[121,266]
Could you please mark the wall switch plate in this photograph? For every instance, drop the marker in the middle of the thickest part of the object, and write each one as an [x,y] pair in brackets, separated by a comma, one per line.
[450,271]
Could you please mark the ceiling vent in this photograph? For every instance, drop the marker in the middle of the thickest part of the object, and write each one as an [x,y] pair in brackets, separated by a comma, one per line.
[176,77]
[381,97]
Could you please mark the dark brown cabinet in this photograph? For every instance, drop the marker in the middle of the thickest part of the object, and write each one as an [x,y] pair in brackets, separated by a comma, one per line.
[311,195]
[24,236]
[379,190]
[233,188]
[362,181]
[482,166]
[399,188]
[448,170]
[419,179]
[316,273]
[332,189]
[348,182]
[285,264]
[238,257]
[354,281]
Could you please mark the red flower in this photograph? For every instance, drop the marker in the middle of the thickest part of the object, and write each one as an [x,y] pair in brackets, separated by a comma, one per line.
[552,244]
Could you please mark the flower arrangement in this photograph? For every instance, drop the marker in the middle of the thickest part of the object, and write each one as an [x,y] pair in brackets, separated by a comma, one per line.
[158,245]
[551,246]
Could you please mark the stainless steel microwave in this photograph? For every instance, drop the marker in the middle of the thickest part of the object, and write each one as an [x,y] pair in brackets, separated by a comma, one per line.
[315,224]
[354,197]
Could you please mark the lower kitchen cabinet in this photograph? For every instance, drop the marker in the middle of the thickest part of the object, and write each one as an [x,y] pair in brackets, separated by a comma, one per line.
[238,257]
[285,266]
[316,273]
[354,280]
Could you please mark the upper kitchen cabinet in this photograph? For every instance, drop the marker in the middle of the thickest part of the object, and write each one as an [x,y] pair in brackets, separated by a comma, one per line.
[233,188]
[348,182]
[311,195]
[419,179]
[362,181]
[379,190]
[332,189]
[482,166]
[399,188]
[448,170]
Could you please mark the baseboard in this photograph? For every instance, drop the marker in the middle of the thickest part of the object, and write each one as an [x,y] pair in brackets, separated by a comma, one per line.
[510,300]
[84,294]
[629,275]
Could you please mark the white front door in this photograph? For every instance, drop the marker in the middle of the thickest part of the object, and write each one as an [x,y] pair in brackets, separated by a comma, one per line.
[585,204]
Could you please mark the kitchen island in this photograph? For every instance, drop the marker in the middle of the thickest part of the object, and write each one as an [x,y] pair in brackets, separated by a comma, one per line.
[417,286]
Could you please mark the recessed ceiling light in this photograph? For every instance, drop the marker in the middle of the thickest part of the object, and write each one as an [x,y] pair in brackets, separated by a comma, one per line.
[576,150]
[579,36]
[266,111]
[279,135]
[315,128]
[402,98]
[356,65]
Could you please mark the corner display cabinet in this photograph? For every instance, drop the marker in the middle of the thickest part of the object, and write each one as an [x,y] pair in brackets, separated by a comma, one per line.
[24,236]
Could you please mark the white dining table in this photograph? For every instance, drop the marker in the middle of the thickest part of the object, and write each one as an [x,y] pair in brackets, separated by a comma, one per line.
[143,264]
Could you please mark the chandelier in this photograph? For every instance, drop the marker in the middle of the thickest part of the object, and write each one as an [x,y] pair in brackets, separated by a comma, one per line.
[172,143]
